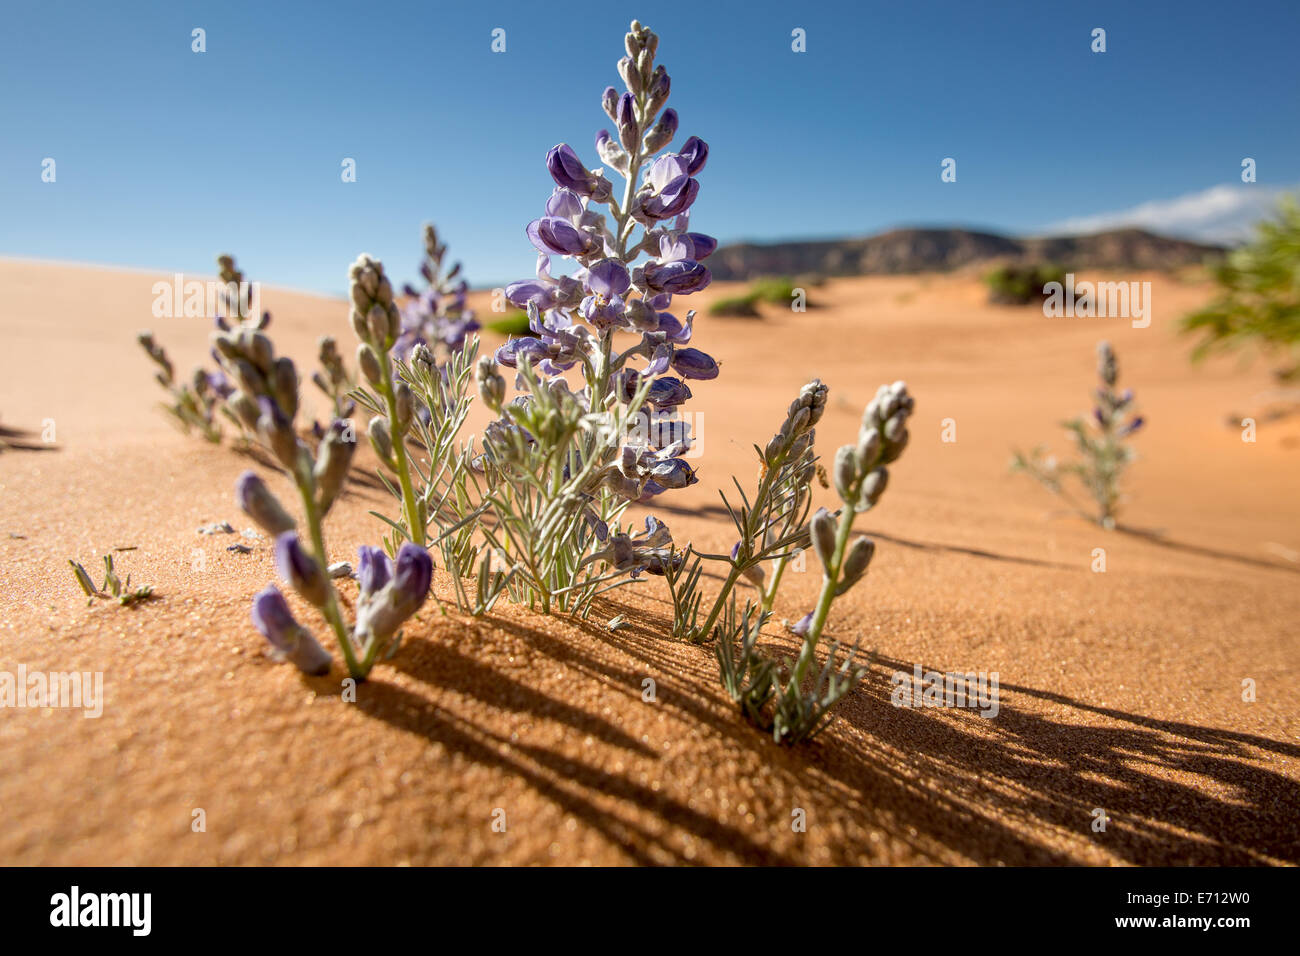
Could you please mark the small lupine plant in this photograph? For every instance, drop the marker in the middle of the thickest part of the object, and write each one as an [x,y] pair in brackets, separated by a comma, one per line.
[1101,444]
[193,404]
[266,399]
[113,588]
[772,528]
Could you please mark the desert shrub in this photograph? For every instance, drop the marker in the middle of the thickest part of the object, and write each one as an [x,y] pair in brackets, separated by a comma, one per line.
[1101,443]
[1021,284]
[736,307]
[774,291]
[1259,296]
[514,322]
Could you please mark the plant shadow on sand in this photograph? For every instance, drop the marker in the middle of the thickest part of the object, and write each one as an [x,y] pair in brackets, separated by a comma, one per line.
[1020,788]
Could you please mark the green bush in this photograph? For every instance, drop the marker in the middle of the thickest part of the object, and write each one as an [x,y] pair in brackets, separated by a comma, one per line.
[736,307]
[1259,298]
[1021,284]
[513,322]
[775,291]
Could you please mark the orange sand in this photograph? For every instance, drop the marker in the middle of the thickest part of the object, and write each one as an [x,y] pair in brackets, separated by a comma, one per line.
[1119,691]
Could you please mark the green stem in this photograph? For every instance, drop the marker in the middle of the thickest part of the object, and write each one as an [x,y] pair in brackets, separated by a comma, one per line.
[829,582]
[307,491]
[414,526]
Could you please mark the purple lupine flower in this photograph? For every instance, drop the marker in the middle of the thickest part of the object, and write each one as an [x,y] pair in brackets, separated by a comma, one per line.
[606,283]
[567,170]
[1133,426]
[673,473]
[692,363]
[668,392]
[381,613]
[669,189]
[300,569]
[702,246]
[374,569]
[272,617]
[696,153]
[413,574]
[524,347]
[679,277]
[559,236]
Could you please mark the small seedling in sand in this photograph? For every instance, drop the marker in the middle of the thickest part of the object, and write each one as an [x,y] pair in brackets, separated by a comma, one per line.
[113,588]
[1101,444]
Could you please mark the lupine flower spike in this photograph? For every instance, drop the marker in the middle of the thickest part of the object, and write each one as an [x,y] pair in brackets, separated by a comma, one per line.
[1101,442]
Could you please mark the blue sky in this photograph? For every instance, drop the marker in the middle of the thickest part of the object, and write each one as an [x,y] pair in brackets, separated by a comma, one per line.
[166,157]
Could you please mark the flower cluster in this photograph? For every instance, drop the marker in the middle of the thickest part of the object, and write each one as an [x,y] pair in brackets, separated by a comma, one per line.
[438,318]
[1100,442]
[574,318]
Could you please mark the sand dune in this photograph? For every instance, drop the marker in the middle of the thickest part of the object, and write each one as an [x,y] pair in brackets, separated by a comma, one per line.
[1120,691]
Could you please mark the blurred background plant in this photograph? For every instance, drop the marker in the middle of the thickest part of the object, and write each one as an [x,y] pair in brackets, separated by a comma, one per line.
[1018,284]
[772,290]
[1101,443]
[1258,305]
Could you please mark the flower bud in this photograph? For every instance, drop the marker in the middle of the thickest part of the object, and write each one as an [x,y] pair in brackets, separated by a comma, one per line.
[422,359]
[257,501]
[244,407]
[868,448]
[379,326]
[380,440]
[845,472]
[631,75]
[284,385]
[822,531]
[405,407]
[873,486]
[662,133]
[368,361]
[332,462]
[491,384]
[300,569]
[272,617]
[277,432]
[855,562]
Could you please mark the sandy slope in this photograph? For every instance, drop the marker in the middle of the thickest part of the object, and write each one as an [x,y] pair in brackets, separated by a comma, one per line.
[1119,691]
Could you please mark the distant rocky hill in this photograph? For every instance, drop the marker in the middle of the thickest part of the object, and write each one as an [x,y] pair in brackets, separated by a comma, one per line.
[940,250]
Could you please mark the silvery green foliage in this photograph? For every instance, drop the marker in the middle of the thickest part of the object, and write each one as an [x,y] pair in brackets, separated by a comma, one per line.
[1101,444]
[784,699]
[773,525]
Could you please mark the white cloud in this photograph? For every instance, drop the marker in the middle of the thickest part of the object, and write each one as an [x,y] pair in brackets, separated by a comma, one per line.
[1221,214]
